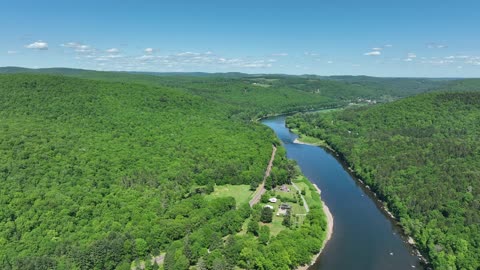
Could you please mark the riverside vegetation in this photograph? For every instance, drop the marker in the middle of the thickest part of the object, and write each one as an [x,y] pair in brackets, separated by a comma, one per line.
[105,170]
[421,155]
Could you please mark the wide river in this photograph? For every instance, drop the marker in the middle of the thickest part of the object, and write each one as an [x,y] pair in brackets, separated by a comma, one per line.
[364,237]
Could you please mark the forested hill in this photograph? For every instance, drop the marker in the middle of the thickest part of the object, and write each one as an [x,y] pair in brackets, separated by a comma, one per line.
[102,175]
[460,85]
[249,99]
[257,95]
[422,156]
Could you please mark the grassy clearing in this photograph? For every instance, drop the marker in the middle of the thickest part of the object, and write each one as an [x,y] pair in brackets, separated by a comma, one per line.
[275,226]
[328,110]
[262,85]
[311,140]
[307,139]
[241,193]
[298,211]
[311,195]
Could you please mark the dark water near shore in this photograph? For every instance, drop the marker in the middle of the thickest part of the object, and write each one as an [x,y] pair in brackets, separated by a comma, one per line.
[364,237]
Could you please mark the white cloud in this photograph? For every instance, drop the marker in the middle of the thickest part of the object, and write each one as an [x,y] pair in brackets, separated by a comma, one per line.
[473,60]
[83,48]
[38,45]
[310,54]
[436,61]
[457,60]
[101,58]
[70,44]
[188,54]
[329,62]
[388,45]
[146,57]
[113,50]
[78,47]
[114,56]
[11,52]
[372,53]
[377,49]
[433,45]
[258,64]
[148,50]
[187,60]
[280,54]
[410,57]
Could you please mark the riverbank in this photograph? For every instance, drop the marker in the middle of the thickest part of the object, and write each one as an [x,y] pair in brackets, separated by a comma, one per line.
[328,235]
[329,229]
[366,246]
[380,203]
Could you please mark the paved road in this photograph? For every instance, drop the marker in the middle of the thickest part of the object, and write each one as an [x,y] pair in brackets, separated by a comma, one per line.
[261,189]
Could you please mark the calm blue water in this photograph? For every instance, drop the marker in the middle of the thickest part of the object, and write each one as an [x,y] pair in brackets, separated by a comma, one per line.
[363,236]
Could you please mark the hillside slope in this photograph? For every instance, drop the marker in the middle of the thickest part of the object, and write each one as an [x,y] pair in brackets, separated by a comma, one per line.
[82,160]
[256,95]
[422,156]
[98,175]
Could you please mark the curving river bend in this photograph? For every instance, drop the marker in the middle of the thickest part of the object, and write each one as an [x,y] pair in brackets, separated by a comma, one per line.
[364,237]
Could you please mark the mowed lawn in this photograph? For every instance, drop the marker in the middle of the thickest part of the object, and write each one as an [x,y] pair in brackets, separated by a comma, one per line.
[241,193]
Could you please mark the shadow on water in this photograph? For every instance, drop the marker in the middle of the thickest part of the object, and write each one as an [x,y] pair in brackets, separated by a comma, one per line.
[364,236]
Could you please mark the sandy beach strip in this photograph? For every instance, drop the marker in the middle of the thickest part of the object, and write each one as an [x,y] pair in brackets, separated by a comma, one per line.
[329,231]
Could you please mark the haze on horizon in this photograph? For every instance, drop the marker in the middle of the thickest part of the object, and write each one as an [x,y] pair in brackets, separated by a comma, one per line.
[376,38]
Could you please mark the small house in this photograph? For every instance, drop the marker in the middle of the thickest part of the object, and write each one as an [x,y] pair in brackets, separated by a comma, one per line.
[272,200]
[284,188]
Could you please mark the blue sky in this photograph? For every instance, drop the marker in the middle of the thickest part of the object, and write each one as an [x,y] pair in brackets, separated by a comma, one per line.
[379,38]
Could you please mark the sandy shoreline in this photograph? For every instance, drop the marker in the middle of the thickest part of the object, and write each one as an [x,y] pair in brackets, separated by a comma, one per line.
[299,142]
[329,216]
[329,231]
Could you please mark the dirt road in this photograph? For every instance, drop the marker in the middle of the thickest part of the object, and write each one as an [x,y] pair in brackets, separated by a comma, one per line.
[261,189]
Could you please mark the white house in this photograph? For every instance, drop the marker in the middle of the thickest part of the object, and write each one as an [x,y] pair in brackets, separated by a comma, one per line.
[272,200]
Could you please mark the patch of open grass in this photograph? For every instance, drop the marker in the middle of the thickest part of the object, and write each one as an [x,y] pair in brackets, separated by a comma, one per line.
[311,140]
[311,195]
[276,225]
[241,193]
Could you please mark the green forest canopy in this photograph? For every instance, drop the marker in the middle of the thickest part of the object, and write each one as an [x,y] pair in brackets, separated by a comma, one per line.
[109,167]
[258,95]
[98,174]
[422,156]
